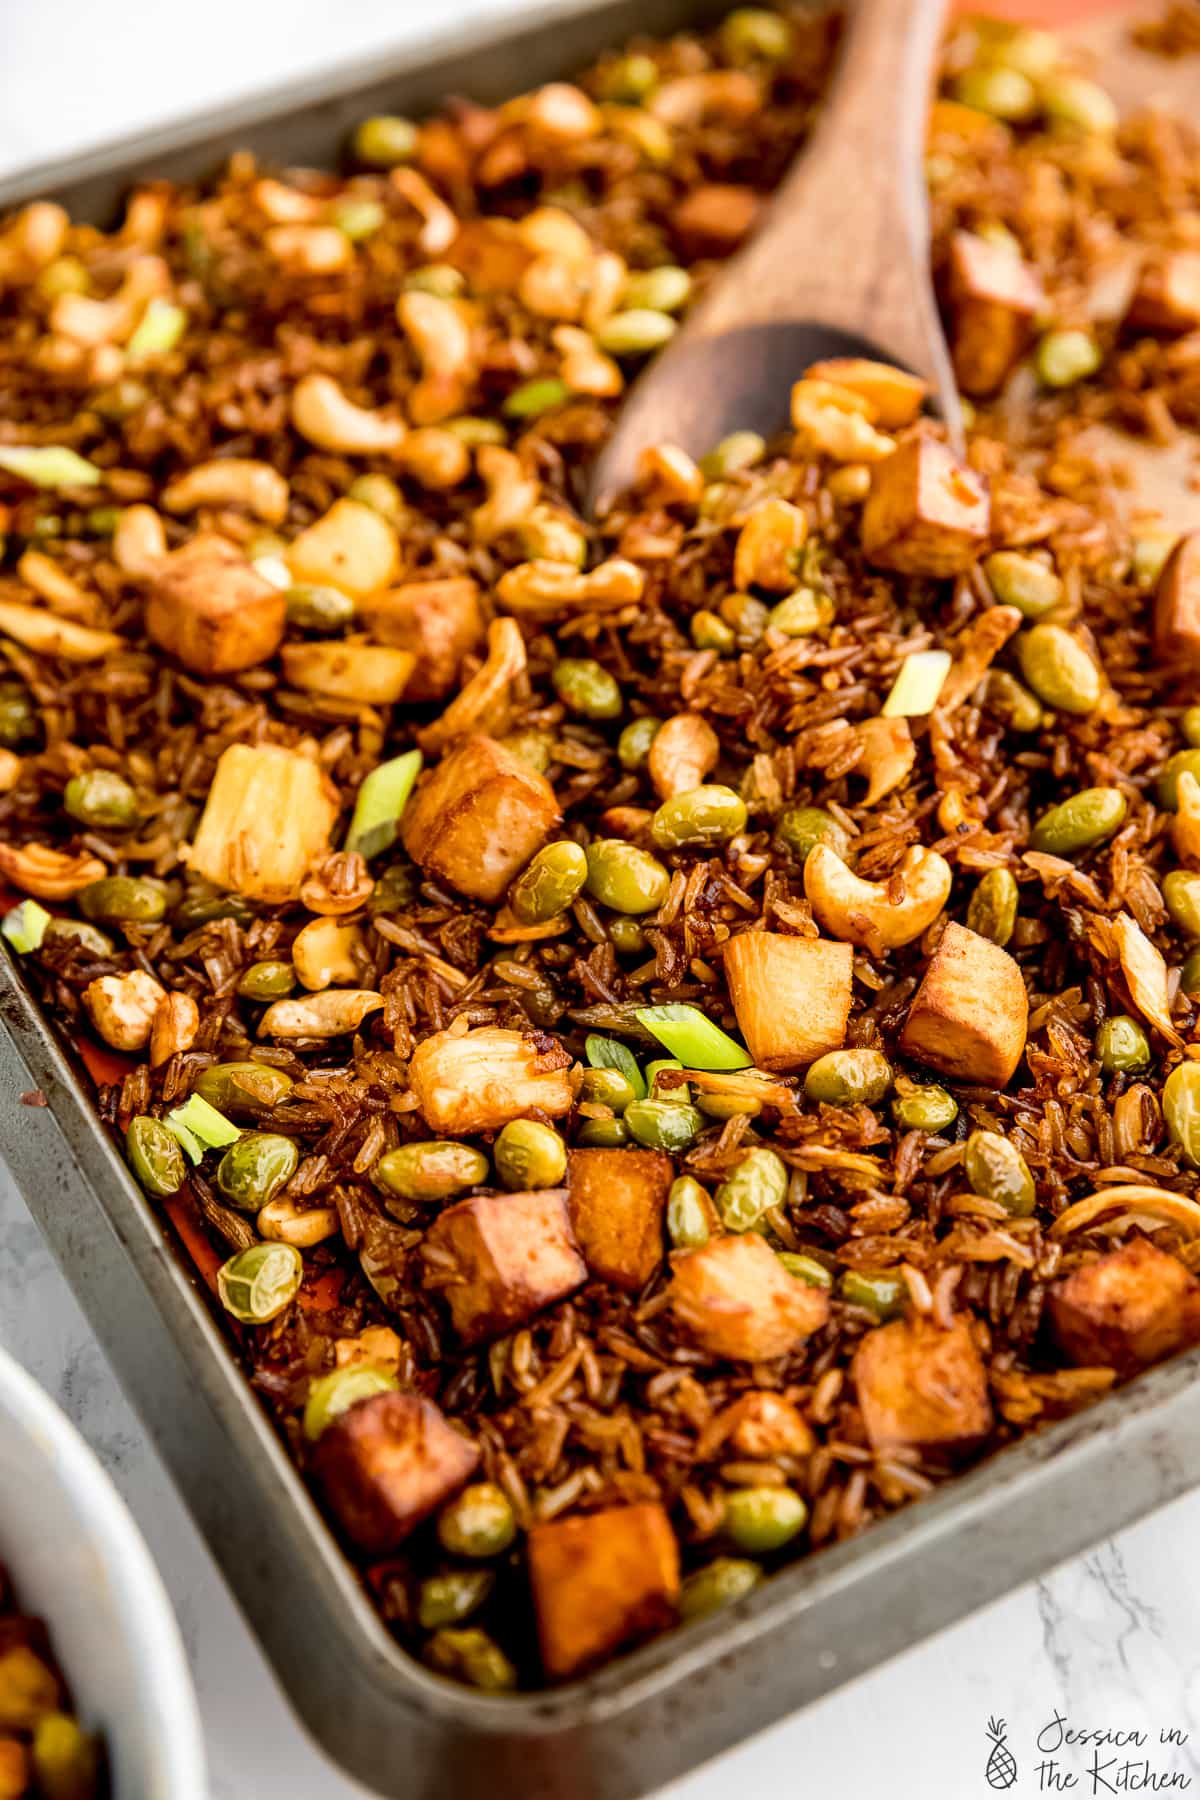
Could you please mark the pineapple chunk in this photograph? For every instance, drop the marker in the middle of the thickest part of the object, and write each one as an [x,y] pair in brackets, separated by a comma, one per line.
[477,818]
[969,1016]
[601,1580]
[893,395]
[617,1201]
[735,1298]
[387,1463]
[500,1258]
[995,297]
[478,1080]
[1177,606]
[209,608]
[1127,1309]
[791,995]
[439,621]
[1167,296]
[351,548]
[927,513]
[268,816]
[920,1387]
[366,672]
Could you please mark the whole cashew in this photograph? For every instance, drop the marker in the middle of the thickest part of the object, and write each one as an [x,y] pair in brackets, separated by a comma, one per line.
[323,414]
[285,205]
[231,481]
[441,338]
[512,494]
[482,704]
[93,322]
[671,471]
[323,954]
[140,541]
[439,226]
[310,249]
[541,589]
[47,635]
[684,751]
[862,912]
[122,1008]
[287,1223]
[585,368]
[326,1015]
[48,874]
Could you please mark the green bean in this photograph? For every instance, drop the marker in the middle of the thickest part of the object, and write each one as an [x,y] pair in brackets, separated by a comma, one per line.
[1181,1110]
[699,816]
[587,688]
[924,1108]
[1059,670]
[1023,582]
[470,1655]
[243,1089]
[1084,820]
[450,1598]
[757,1183]
[1183,761]
[763,1519]
[663,1124]
[265,981]
[155,1156]
[435,1169]
[479,1522]
[101,800]
[253,1170]
[802,828]
[333,1394]
[689,1214]
[997,1170]
[624,877]
[528,1154]
[883,1296]
[858,1077]
[123,900]
[1122,1045]
[1181,892]
[547,885]
[720,1583]
[314,608]
[385,141]
[992,911]
[256,1285]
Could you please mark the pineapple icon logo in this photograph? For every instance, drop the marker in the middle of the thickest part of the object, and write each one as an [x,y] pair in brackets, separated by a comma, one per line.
[1001,1768]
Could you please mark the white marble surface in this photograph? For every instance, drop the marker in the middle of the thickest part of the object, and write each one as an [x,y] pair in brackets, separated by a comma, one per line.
[1110,1640]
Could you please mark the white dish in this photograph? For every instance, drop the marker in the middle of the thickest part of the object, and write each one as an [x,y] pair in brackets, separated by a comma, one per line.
[78,1561]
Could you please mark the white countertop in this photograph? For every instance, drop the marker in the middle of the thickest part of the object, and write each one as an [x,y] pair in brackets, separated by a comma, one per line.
[1110,1641]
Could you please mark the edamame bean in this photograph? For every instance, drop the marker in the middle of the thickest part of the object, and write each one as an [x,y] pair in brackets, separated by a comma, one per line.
[1189,975]
[997,1170]
[101,799]
[726,1579]
[1064,358]
[243,1089]
[802,828]
[662,290]
[883,1296]
[689,1214]
[1012,702]
[924,1108]
[1059,670]
[266,981]
[606,1087]
[528,1154]
[1122,1045]
[479,1522]
[740,450]
[123,900]
[470,1655]
[624,877]
[858,1077]
[203,908]
[435,1169]
[155,1156]
[18,716]
[699,816]
[549,883]
[629,80]
[253,1170]
[603,1134]
[805,1268]
[587,688]
[78,931]
[633,745]
[759,1182]
[1073,103]
[992,911]
[1023,582]
[1087,818]
[1183,761]
[763,1519]
[710,632]
[448,1599]
[1189,725]
[1001,93]
[753,34]
[312,608]
[1181,1110]
[635,332]
[1181,892]
[332,1394]
[381,494]
[385,141]
[801,613]
[627,936]
[663,1124]
[257,1284]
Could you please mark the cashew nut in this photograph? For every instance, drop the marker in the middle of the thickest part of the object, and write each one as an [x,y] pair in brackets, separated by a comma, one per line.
[310,249]
[549,231]
[323,954]
[231,481]
[837,422]
[46,635]
[441,339]
[483,704]
[285,205]
[324,415]
[553,288]
[671,471]
[95,322]
[439,226]
[48,874]
[512,494]
[1145,973]
[606,284]
[327,1015]
[558,110]
[60,591]
[585,368]
[711,94]
[774,531]
[122,1008]
[338,883]
[436,458]
[176,1022]
[36,236]
[140,541]
[888,753]
[10,771]
[288,1223]
[684,751]
[864,912]
[145,219]
[978,648]
[541,589]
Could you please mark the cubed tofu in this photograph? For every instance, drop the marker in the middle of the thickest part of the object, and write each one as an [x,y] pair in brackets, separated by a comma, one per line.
[477,818]
[388,1462]
[439,621]
[969,1017]
[15,1772]
[1127,1309]
[268,817]
[921,1388]
[616,1200]
[736,1299]
[497,1259]
[1167,296]
[995,296]
[206,606]
[371,674]
[478,1080]
[791,995]
[927,513]
[761,1424]
[601,1581]
[352,547]
[1177,607]
[894,395]
[712,220]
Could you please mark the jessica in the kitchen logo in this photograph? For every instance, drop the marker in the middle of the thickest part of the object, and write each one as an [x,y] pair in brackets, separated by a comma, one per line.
[1087,1759]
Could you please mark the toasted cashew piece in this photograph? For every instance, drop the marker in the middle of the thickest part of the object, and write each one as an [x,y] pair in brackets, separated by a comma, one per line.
[327,1015]
[709,94]
[558,110]
[978,648]
[324,415]
[441,338]
[439,225]
[774,531]
[47,635]
[684,751]
[482,704]
[231,481]
[145,219]
[48,874]
[140,541]
[288,1223]
[310,249]
[10,770]
[837,422]
[861,912]
[35,237]
[323,954]
[285,205]
[1145,973]
[585,368]
[436,458]
[96,322]
[540,589]
[60,591]
[122,1008]
[176,1022]
[512,494]
[670,471]
[888,754]
[551,231]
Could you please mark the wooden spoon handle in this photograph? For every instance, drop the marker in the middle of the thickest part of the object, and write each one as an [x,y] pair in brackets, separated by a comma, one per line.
[845,241]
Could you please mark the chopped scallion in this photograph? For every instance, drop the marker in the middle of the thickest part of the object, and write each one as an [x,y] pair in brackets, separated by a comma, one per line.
[381,801]
[48,465]
[916,688]
[25,926]
[200,1127]
[693,1038]
[159,330]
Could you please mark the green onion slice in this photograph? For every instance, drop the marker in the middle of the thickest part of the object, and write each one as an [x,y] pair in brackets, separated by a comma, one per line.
[25,926]
[381,801]
[48,465]
[916,688]
[693,1038]
[200,1127]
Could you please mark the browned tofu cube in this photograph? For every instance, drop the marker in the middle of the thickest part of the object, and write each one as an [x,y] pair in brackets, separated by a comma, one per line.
[477,818]
[921,1388]
[15,1772]
[927,513]
[386,1464]
[1177,607]
[1127,1309]
[209,608]
[995,297]
[616,1200]
[1167,296]
[969,1016]
[791,995]
[439,621]
[498,1259]
[478,1080]
[601,1581]
[712,220]
[735,1298]
[761,1424]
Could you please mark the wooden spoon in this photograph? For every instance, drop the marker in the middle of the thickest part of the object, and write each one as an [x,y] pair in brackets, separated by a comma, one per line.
[838,267]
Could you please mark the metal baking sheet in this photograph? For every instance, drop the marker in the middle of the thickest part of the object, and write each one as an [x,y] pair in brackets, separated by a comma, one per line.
[657,1712]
